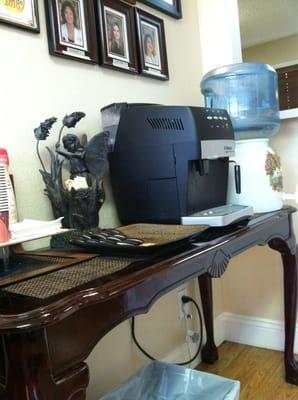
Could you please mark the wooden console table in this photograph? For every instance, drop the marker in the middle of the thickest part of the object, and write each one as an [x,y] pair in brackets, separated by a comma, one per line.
[45,339]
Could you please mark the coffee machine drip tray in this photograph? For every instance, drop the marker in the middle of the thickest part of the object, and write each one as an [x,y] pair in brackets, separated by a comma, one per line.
[219,216]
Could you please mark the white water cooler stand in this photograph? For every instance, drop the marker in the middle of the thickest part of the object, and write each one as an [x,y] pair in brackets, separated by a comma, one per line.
[261,178]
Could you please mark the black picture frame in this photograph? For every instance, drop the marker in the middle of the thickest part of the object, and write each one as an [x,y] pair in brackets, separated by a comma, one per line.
[151,35]
[174,10]
[117,18]
[83,44]
[23,15]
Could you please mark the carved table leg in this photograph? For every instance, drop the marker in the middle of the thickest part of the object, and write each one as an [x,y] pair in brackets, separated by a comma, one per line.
[209,351]
[289,259]
[28,373]
[290,304]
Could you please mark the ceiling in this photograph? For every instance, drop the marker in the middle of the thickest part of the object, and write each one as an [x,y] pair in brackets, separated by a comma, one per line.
[265,20]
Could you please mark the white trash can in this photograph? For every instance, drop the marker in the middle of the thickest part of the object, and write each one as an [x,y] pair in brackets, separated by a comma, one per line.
[161,381]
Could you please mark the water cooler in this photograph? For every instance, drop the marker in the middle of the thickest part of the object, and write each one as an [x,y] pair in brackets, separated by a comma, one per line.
[248,91]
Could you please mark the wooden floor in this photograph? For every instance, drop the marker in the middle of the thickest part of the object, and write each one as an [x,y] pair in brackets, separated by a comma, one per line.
[260,372]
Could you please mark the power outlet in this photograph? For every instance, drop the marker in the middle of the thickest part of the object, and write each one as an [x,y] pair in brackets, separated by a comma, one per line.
[181,307]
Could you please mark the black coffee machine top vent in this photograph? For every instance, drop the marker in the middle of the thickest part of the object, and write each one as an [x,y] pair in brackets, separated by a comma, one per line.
[174,124]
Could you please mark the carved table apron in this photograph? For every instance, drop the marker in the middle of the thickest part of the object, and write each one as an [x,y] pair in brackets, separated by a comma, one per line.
[45,342]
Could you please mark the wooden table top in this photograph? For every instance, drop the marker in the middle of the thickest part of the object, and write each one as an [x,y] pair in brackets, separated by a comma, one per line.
[18,309]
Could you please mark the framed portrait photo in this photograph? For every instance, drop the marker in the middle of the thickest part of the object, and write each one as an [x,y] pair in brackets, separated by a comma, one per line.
[71,29]
[170,7]
[152,46]
[117,35]
[22,14]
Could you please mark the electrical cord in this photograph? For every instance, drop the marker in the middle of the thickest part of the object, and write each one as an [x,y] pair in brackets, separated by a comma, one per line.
[184,299]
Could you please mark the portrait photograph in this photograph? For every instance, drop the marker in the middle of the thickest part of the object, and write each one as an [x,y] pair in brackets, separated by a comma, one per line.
[151,45]
[71,29]
[169,7]
[117,35]
[71,19]
[21,14]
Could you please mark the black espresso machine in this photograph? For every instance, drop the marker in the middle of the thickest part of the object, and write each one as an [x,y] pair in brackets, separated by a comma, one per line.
[167,161]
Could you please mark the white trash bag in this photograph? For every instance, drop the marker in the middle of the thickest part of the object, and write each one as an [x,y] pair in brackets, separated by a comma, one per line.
[161,381]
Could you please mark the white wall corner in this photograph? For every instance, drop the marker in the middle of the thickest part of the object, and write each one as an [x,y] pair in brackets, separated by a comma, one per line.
[219,33]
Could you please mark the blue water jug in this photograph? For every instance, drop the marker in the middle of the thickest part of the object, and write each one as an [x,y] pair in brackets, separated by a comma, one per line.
[248,91]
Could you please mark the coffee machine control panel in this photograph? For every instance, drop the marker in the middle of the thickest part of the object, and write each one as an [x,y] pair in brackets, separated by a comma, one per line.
[215,145]
[217,119]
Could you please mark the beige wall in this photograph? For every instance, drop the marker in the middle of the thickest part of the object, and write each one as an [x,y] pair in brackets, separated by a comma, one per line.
[274,52]
[252,284]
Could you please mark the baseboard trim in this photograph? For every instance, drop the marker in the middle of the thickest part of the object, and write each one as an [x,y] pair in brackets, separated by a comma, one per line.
[252,331]
[259,332]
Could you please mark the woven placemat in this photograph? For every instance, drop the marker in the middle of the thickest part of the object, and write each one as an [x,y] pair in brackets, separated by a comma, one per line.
[68,278]
[160,233]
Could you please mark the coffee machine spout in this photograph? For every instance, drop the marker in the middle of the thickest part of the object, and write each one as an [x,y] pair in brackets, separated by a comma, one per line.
[203,167]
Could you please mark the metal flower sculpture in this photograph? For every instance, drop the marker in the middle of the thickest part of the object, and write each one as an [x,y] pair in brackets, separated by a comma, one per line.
[71,120]
[42,132]
[79,198]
